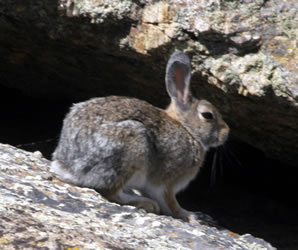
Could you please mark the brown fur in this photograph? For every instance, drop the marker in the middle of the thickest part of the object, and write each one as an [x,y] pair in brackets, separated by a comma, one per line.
[116,144]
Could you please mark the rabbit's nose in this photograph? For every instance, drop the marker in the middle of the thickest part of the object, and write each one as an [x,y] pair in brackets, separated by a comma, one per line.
[223,132]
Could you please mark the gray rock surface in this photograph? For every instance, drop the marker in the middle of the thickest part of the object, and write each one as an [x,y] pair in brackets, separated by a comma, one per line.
[244,56]
[37,211]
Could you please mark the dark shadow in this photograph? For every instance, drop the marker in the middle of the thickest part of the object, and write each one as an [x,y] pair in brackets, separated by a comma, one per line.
[219,44]
[252,194]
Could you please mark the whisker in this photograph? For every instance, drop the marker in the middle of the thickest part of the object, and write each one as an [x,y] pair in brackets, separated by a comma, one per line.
[230,155]
[213,170]
[221,160]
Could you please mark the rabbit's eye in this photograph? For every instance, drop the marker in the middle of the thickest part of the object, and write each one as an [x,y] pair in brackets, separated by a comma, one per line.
[207,115]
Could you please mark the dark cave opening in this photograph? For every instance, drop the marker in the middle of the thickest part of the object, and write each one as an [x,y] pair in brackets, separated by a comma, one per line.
[250,194]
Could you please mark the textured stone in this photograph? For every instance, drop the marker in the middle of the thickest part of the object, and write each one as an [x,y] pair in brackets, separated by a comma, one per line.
[39,211]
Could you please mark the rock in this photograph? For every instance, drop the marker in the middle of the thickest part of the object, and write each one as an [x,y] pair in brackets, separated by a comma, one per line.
[243,52]
[39,211]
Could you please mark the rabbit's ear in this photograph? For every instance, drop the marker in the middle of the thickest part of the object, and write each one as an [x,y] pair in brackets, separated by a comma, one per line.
[178,76]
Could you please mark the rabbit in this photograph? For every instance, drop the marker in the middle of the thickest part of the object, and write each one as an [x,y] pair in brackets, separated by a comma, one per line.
[117,144]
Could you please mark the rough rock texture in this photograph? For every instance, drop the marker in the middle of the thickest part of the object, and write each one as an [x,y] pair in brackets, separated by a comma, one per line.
[39,211]
[244,56]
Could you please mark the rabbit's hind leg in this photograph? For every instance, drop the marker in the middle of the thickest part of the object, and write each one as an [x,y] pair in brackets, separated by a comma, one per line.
[130,157]
[141,202]
[121,192]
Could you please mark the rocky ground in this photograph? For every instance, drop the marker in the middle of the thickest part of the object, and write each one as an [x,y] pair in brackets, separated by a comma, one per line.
[39,211]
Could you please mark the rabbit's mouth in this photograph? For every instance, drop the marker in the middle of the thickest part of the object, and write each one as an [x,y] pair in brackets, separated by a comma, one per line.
[223,136]
[220,138]
[215,144]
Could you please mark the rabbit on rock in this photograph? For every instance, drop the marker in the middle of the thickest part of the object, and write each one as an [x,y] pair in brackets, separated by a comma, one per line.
[115,144]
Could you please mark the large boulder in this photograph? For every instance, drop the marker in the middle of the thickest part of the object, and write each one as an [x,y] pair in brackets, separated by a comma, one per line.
[243,54]
[37,211]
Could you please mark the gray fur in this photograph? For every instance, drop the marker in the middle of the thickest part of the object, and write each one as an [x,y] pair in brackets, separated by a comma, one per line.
[114,144]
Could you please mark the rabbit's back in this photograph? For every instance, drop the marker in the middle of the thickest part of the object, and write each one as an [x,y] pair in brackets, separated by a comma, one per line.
[110,136]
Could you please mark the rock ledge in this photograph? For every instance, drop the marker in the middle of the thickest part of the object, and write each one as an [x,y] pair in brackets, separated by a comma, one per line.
[39,211]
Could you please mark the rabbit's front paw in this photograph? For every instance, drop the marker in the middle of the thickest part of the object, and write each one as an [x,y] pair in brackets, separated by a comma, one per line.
[187,216]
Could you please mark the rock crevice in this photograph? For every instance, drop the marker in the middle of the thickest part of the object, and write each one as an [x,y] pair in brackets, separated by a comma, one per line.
[244,57]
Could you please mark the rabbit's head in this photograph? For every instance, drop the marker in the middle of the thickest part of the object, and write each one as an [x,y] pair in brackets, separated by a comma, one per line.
[199,117]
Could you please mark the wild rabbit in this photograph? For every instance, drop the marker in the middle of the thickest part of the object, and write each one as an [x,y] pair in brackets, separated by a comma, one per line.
[115,144]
